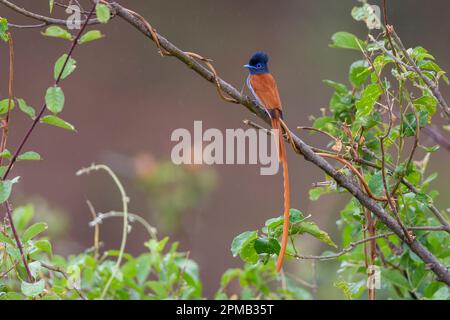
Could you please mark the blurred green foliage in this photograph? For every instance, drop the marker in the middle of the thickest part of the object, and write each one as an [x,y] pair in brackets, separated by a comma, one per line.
[175,189]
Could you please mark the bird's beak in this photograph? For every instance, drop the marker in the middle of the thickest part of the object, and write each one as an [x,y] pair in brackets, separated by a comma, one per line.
[248,66]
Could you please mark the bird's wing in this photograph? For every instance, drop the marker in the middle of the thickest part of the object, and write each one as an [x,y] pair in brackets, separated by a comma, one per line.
[266,90]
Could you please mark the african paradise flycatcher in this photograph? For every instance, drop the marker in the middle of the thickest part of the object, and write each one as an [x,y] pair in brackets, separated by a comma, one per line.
[264,88]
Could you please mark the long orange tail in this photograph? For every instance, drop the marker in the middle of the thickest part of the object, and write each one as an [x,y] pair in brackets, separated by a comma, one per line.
[276,124]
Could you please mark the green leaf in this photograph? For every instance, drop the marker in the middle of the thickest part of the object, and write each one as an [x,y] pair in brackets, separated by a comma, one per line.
[312,229]
[5,239]
[324,123]
[267,245]
[25,108]
[35,268]
[243,245]
[346,40]
[57,32]
[359,72]
[367,14]
[4,29]
[5,189]
[228,276]
[157,246]
[441,294]
[419,54]
[339,87]
[431,149]
[365,104]
[275,225]
[5,154]
[33,231]
[29,155]
[33,289]
[376,183]
[426,104]
[158,288]
[58,122]
[4,104]
[70,67]
[317,192]
[44,245]
[395,278]
[22,216]
[103,13]
[10,296]
[90,36]
[54,99]
[410,125]
[345,287]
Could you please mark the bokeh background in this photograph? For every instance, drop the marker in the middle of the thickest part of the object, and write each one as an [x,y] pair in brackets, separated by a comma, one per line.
[125,101]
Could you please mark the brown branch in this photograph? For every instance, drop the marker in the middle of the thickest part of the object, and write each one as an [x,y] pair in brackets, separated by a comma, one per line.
[44,19]
[356,172]
[353,245]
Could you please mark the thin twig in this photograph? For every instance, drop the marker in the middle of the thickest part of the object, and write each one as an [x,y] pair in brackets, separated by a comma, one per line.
[317,130]
[64,274]
[125,201]
[353,245]
[96,229]
[433,86]
[46,20]
[98,218]
[17,239]
[5,124]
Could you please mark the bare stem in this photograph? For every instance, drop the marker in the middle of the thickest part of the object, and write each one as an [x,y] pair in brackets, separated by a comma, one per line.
[125,201]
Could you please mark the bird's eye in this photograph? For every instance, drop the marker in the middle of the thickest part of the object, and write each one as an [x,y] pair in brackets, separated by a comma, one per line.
[259,66]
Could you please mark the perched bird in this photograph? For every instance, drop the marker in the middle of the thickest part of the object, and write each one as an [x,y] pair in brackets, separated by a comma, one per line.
[264,88]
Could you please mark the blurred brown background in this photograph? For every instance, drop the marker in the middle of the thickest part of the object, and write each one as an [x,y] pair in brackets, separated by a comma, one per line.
[125,101]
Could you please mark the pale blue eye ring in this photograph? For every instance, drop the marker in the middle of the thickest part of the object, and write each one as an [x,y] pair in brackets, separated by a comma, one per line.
[259,66]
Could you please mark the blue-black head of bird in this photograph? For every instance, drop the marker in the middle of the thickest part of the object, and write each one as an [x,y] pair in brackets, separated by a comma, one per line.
[258,63]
